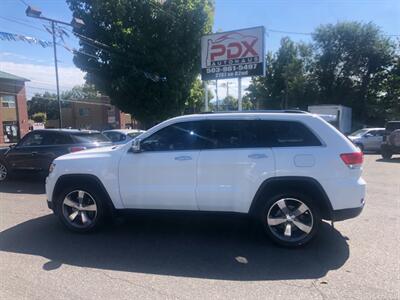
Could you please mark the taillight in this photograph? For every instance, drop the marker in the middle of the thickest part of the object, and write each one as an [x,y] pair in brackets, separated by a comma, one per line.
[76,149]
[352,160]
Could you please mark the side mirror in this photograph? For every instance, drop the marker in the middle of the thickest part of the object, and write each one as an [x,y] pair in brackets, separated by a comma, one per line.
[136,146]
[368,135]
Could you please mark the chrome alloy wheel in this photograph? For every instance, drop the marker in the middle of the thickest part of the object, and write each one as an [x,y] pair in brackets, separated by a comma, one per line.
[79,209]
[3,172]
[290,219]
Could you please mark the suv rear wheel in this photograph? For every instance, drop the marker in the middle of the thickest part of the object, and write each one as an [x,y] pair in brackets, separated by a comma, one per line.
[80,207]
[290,219]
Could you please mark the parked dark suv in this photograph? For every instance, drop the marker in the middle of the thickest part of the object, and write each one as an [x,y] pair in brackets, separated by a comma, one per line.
[391,139]
[39,148]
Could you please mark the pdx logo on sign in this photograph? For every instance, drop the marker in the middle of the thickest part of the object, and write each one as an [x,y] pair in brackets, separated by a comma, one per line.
[233,54]
[232,48]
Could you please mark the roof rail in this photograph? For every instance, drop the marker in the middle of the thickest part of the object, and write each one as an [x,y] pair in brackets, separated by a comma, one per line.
[292,111]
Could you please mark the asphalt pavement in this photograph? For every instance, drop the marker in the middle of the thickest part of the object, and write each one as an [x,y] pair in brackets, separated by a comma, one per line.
[201,256]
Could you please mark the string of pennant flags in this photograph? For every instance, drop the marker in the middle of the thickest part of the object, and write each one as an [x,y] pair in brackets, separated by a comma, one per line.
[7,36]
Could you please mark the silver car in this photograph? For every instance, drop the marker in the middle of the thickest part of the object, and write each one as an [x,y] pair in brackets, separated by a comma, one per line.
[122,136]
[368,139]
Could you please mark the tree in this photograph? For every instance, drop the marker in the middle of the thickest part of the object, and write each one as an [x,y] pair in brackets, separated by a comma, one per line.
[348,63]
[146,55]
[195,102]
[352,61]
[39,117]
[288,82]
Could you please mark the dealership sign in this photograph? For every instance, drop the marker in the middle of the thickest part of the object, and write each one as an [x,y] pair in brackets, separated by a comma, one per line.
[233,54]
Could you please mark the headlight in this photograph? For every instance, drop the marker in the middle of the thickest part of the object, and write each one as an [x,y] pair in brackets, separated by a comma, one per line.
[52,166]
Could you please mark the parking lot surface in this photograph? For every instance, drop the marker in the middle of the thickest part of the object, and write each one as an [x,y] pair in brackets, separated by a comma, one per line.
[185,256]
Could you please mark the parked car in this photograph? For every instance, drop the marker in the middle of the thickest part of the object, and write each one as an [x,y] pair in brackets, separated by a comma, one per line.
[287,170]
[39,148]
[391,139]
[368,139]
[122,136]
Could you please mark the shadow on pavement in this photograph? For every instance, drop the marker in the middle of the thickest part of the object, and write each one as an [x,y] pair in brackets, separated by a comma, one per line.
[201,246]
[23,185]
[392,160]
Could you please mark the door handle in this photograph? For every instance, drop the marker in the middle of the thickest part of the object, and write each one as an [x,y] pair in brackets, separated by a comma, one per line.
[183,157]
[34,153]
[257,156]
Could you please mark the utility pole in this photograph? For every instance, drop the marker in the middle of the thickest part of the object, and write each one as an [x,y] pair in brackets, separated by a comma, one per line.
[76,23]
[53,32]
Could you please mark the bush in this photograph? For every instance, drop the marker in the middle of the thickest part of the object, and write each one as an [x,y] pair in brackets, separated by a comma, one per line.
[39,117]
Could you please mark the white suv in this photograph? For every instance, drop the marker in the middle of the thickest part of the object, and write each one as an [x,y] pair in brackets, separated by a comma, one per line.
[287,169]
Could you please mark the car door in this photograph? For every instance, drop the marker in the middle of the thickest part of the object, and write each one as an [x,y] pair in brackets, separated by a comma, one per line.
[163,174]
[372,140]
[232,165]
[24,155]
[55,144]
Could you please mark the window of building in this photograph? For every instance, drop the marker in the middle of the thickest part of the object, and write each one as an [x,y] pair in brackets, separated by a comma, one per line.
[84,112]
[7,101]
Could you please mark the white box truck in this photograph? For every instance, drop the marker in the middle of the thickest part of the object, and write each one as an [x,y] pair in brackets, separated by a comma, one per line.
[338,115]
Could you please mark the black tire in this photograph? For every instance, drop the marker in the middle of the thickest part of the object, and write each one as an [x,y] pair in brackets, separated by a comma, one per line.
[92,196]
[4,171]
[310,219]
[386,154]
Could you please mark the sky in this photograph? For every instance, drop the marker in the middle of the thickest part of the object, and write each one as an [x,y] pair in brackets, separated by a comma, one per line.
[293,18]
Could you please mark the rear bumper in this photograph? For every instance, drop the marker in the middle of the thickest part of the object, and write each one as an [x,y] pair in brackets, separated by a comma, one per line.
[347,213]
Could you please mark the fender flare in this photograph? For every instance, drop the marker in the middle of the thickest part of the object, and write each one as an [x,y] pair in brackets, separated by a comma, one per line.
[305,184]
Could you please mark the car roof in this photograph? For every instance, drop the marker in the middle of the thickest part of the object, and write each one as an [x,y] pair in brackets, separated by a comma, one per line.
[274,114]
[125,131]
[67,130]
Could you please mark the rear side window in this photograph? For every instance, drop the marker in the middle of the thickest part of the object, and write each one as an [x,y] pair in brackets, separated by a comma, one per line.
[220,134]
[86,137]
[290,134]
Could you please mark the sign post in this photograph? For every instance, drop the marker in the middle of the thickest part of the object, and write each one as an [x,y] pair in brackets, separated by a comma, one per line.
[240,94]
[205,96]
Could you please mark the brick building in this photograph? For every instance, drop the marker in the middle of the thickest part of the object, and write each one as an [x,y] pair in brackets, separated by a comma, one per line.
[96,114]
[13,111]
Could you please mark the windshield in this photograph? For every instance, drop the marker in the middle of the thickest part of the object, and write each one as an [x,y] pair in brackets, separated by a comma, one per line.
[92,137]
[359,132]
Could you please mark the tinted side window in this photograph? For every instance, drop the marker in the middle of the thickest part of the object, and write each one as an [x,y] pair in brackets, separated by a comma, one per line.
[55,138]
[179,136]
[290,134]
[33,139]
[223,134]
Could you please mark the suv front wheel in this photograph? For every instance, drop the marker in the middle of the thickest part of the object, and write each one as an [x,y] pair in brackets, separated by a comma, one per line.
[80,207]
[290,219]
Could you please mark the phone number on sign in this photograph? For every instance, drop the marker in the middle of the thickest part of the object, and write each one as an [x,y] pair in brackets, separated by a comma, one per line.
[246,67]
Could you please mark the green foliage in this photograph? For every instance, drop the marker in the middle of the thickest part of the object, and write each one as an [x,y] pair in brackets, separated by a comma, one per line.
[288,82]
[349,63]
[146,41]
[39,117]
[195,102]
[230,103]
